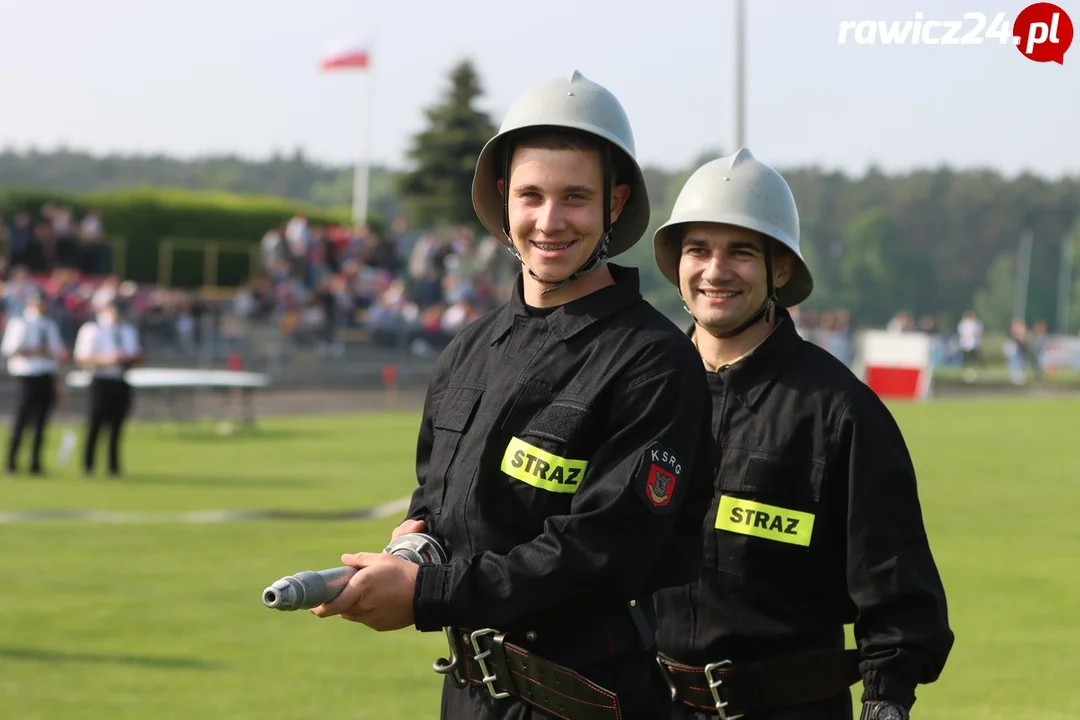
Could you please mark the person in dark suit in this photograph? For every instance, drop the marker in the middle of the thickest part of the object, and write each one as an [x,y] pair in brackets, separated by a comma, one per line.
[34,351]
[107,347]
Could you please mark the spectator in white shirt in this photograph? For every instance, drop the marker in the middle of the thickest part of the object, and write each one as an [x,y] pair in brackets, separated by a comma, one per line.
[105,293]
[970,331]
[18,285]
[107,347]
[34,351]
[91,235]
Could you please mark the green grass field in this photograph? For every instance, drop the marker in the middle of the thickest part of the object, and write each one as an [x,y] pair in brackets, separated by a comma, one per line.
[163,620]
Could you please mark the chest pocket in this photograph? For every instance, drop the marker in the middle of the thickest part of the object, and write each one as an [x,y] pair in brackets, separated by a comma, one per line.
[452,421]
[765,518]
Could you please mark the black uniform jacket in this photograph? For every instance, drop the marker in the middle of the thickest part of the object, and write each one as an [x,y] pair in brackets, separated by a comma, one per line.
[815,523]
[560,458]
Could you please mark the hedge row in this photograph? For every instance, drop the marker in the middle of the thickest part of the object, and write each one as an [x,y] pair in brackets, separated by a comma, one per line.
[143,218]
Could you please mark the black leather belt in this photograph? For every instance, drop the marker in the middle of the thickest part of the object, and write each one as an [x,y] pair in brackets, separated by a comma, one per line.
[735,689]
[483,657]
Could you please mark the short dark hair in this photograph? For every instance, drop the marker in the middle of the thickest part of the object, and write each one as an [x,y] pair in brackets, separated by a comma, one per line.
[556,138]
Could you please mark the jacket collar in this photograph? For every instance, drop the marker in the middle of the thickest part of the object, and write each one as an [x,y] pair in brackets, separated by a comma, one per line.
[753,374]
[571,318]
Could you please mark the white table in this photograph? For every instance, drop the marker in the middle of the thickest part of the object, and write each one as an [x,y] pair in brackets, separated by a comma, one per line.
[183,381]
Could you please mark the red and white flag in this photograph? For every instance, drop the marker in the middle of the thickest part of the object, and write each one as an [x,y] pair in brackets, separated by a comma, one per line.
[354,57]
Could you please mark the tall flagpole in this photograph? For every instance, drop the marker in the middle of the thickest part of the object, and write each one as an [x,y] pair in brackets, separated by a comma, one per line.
[740,74]
[358,58]
[1023,274]
[362,170]
[1065,282]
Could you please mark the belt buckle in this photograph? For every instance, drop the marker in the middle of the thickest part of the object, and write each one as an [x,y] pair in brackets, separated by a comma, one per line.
[714,688]
[489,677]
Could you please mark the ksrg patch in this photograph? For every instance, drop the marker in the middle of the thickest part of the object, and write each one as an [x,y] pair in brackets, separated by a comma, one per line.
[659,478]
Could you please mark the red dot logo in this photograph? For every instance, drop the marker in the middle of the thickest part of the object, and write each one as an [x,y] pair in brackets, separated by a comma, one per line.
[1043,32]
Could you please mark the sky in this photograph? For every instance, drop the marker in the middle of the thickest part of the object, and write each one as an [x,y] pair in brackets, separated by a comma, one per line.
[192,78]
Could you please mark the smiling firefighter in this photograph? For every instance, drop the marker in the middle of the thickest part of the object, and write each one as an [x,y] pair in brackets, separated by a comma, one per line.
[562,455]
[815,521]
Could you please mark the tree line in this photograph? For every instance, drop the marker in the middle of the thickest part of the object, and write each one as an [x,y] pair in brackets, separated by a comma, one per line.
[933,242]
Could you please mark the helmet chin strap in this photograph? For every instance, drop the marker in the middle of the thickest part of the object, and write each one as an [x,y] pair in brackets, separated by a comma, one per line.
[766,311]
[595,260]
[599,253]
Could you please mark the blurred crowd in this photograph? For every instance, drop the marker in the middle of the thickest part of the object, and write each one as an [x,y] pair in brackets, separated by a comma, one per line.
[319,286]
[66,258]
[54,239]
[72,298]
[830,329]
[400,289]
[1028,351]
[316,285]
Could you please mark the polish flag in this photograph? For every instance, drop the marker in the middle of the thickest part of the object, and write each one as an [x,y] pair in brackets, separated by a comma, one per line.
[348,57]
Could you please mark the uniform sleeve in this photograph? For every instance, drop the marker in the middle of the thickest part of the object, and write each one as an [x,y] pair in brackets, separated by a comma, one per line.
[902,627]
[418,509]
[621,518]
[13,336]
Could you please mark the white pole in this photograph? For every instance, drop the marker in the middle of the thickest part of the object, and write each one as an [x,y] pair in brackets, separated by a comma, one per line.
[1023,272]
[1065,280]
[740,74]
[362,171]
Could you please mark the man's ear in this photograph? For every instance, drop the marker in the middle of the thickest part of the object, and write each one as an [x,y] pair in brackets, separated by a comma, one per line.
[619,195]
[783,266]
[501,184]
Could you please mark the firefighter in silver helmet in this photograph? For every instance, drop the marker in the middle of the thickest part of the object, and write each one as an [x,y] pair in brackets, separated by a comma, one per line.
[815,521]
[560,452]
